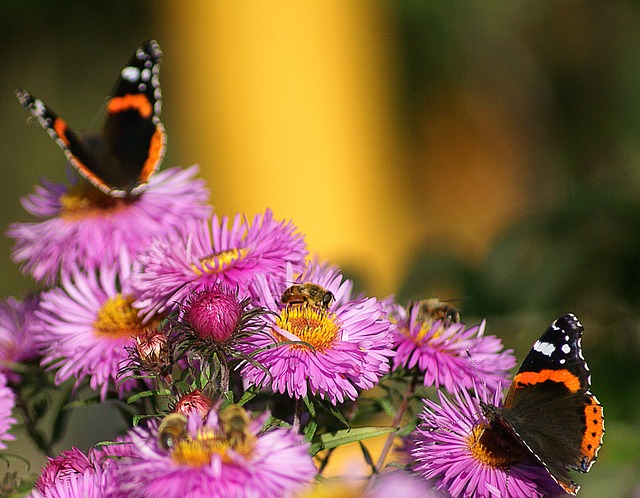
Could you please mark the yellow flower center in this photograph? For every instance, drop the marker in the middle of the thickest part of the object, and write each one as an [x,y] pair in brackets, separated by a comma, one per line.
[117,318]
[219,261]
[310,324]
[493,446]
[425,327]
[83,200]
[198,452]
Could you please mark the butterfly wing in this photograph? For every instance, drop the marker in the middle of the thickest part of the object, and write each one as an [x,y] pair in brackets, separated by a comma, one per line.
[83,151]
[549,405]
[132,129]
[129,150]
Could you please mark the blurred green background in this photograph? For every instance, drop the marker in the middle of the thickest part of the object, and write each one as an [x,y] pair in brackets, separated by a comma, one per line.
[493,150]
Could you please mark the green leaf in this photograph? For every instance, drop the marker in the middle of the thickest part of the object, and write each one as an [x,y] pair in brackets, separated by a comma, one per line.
[366,454]
[138,418]
[228,398]
[310,430]
[310,406]
[407,429]
[248,395]
[336,413]
[147,394]
[345,436]
[387,406]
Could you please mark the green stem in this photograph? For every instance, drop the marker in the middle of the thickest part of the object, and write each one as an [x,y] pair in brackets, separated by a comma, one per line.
[404,404]
[35,434]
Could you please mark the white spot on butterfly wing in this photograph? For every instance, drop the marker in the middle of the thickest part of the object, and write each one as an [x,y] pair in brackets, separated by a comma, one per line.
[545,348]
[580,349]
[39,107]
[130,73]
[145,75]
[566,349]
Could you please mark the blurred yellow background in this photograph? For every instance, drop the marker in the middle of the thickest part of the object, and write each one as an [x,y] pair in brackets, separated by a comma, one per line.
[292,105]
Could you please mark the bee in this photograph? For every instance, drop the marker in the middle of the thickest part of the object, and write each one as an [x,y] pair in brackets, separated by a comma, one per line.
[234,425]
[433,309]
[172,430]
[307,294]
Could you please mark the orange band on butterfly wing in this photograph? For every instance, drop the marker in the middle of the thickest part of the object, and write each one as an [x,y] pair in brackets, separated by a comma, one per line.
[138,102]
[156,149]
[594,432]
[565,377]
[60,127]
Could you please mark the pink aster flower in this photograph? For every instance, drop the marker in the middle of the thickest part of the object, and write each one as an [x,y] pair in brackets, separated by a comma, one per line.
[449,448]
[7,402]
[399,483]
[61,467]
[196,401]
[213,314]
[221,457]
[83,227]
[88,323]
[88,484]
[338,343]
[449,354]
[391,484]
[17,329]
[210,325]
[204,254]
[72,474]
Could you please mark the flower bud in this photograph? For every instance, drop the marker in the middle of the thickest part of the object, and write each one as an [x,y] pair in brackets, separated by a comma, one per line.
[213,314]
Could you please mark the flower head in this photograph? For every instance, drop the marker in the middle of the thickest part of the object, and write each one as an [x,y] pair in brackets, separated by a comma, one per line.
[152,352]
[224,455]
[88,484]
[449,354]
[452,448]
[399,483]
[17,329]
[82,227]
[327,350]
[213,313]
[194,401]
[384,485]
[204,254]
[74,474]
[60,468]
[7,402]
[88,324]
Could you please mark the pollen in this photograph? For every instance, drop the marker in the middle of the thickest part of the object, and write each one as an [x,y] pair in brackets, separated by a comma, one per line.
[198,451]
[219,261]
[117,318]
[492,448]
[421,337]
[310,324]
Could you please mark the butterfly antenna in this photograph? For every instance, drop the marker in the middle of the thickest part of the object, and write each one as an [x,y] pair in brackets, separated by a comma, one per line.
[99,113]
[479,376]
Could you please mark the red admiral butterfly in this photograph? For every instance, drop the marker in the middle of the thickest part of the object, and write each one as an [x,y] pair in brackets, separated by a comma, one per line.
[121,159]
[549,412]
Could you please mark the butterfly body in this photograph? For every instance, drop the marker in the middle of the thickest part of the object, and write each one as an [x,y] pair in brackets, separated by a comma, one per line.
[120,160]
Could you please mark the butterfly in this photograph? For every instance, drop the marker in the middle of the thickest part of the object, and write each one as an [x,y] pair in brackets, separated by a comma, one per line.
[120,160]
[549,413]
